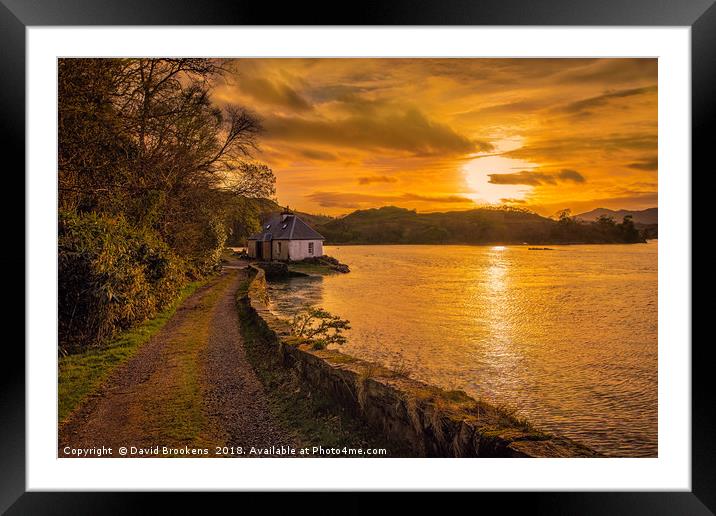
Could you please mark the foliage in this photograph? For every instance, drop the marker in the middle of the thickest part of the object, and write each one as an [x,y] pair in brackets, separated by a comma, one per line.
[111,275]
[603,230]
[142,138]
[146,157]
[319,326]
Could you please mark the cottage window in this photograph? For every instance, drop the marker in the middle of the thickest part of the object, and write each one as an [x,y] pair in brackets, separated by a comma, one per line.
[310,247]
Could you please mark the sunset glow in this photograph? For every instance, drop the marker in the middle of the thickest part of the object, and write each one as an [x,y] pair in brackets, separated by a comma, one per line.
[452,134]
[403,220]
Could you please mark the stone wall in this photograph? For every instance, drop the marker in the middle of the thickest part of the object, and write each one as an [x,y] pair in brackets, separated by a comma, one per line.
[434,422]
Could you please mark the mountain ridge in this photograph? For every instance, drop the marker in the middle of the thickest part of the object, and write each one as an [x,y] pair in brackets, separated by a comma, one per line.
[647,216]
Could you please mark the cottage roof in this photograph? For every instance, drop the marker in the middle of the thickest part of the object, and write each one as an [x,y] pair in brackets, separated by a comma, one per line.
[286,226]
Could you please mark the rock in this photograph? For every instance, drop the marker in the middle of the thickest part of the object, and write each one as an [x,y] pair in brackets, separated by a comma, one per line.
[326,261]
[275,270]
[279,271]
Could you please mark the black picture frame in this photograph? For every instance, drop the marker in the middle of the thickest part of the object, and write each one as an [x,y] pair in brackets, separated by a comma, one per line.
[17,15]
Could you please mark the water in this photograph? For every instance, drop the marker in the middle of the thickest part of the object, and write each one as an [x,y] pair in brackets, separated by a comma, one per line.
[568,336]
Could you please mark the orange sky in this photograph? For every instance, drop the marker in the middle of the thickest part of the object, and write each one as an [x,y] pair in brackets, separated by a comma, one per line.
[452,134]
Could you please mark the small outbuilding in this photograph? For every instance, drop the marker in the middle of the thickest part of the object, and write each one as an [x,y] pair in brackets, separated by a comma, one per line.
[284,236]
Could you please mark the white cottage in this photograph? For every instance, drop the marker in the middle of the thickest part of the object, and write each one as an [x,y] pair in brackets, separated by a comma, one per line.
[285,237]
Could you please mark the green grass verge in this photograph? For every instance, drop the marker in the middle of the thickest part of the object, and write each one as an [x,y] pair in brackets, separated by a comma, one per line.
[177,410]
[81,374]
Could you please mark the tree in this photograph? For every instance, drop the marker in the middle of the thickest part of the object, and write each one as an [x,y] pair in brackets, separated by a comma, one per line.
[149,168]
[143,138]
[606,221]
[319,326]
[628,231]
[567,228]
[564,216]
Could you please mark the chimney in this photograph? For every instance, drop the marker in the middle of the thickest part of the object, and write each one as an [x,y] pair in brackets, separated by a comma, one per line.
[286,214]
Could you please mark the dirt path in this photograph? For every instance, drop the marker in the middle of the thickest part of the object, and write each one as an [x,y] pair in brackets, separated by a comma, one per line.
[190,386]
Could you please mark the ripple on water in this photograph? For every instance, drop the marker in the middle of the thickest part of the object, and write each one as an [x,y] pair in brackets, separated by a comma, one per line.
[568,337]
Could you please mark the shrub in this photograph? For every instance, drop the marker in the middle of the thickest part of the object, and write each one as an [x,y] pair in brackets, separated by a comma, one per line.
[110,275]
[319,326]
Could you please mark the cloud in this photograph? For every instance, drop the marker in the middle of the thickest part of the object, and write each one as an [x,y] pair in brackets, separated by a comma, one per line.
[570,175]
[587,104]
[318,155]
[520,107]
[601,71]
[366,180]
[353,200]
[650,164]
[508,200]
[410,131]
[279,94]
[526,177]
[534,178]
[356,99]
[549,148]
[452,199]
[338,125]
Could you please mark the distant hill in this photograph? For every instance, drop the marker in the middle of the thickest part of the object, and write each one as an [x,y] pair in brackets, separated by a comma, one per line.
[393,225]
[648,216]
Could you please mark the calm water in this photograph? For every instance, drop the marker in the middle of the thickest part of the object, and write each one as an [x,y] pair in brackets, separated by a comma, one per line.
[568,337]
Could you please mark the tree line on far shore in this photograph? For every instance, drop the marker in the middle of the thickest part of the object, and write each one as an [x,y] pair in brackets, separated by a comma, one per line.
[393,225]
[153,175]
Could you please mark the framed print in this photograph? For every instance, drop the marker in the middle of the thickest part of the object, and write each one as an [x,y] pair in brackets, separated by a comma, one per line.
[407,250]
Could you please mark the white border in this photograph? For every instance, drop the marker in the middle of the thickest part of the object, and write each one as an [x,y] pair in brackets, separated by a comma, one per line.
[671,470]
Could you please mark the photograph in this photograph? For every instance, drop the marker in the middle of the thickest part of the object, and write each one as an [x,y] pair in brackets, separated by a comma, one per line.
[382,257]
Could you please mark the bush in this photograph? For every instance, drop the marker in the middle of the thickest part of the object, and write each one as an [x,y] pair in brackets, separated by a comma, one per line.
[111,275]
[319,326]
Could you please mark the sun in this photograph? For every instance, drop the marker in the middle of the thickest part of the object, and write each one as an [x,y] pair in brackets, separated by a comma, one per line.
[477,175]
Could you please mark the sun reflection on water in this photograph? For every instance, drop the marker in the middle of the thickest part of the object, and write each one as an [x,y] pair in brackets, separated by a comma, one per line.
[500,349]
[569,338]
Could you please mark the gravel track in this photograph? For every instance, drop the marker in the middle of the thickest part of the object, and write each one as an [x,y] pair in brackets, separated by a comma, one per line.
[235,399]
[233,402]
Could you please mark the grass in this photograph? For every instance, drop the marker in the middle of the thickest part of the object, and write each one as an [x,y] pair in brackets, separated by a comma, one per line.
[80,375]
[174,401]
[312,417]
[511,418]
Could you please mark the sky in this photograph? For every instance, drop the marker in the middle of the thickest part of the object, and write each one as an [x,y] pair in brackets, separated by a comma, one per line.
[454,134]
